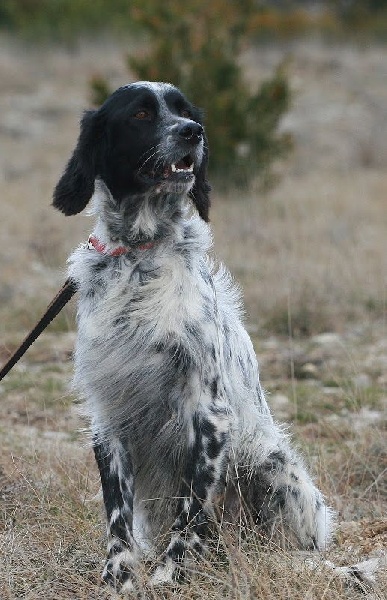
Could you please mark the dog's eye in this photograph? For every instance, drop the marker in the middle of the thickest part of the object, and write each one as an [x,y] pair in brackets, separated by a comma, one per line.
[142,115]
[185,113]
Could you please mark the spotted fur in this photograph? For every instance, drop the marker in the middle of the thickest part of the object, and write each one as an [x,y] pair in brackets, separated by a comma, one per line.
[163,361]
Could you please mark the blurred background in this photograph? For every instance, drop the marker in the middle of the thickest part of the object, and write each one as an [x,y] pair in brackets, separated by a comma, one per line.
[295,98]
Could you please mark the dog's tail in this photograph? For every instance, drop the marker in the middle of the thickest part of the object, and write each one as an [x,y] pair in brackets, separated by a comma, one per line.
[361,576]
[63,296]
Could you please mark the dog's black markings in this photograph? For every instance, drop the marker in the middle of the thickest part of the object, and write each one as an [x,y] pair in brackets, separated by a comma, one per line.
[117,478]
[166,368]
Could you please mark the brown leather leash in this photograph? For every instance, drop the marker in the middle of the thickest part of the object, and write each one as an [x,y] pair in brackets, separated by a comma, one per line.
[63,296]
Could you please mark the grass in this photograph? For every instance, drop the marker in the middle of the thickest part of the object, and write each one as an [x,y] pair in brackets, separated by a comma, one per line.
[310,256]
[54,536]
[321,266]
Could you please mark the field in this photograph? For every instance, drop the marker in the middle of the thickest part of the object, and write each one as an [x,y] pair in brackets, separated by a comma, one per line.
[311,257]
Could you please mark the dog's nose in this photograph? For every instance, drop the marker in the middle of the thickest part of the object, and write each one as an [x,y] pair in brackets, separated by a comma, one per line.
[192,132]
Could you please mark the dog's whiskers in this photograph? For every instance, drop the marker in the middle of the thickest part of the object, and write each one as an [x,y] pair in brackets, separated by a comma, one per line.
[156,151]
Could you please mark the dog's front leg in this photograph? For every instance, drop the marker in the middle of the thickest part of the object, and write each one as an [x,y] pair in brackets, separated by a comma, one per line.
[206,466]
[116,471]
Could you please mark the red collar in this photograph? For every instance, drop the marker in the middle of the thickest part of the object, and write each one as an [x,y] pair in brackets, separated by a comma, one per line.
[94,242]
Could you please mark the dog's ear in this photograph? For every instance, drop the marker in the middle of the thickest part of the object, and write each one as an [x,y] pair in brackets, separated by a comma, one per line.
[76,186]
[200,192]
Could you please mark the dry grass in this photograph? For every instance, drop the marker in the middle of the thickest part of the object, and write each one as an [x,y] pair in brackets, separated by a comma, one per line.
[311,258]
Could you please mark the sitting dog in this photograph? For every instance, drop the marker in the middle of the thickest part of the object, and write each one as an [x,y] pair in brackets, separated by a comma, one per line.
[168,373]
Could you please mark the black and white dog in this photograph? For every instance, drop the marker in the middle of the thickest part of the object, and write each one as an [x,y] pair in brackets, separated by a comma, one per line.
[169,376]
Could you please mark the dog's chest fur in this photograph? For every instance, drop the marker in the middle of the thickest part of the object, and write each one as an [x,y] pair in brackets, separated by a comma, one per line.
[159,340]
[147,325]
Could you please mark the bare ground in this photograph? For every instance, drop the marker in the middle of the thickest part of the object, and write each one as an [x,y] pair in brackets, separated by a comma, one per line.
[312,259]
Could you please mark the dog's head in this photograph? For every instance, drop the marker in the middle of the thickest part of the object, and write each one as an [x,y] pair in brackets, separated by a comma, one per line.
[146,138]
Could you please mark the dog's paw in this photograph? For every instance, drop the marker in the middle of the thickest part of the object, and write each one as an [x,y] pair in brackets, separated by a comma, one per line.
[165,574]
[119,571]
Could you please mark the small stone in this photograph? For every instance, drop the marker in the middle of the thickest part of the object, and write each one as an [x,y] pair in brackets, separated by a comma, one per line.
[309,371]
[279,400]
[326,339]
[362,381]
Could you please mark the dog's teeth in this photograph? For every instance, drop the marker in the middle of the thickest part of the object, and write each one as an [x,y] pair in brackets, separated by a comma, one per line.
[176,170]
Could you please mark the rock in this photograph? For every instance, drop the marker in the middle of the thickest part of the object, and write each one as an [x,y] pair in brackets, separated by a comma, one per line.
[279,401]
[308,371]
[362,381]
[326,339]
[280,405]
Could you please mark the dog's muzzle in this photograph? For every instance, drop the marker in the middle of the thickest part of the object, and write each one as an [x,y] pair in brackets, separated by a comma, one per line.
[183,151]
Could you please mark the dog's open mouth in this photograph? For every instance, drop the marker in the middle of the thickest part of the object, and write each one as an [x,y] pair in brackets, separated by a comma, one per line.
[183,166]
[179,171]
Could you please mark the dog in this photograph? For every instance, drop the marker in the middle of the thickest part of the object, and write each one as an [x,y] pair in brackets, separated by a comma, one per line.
[168,373]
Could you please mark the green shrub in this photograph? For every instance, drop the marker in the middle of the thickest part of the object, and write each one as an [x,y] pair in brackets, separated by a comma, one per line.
[365,17]
[63,19]
[196,46]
